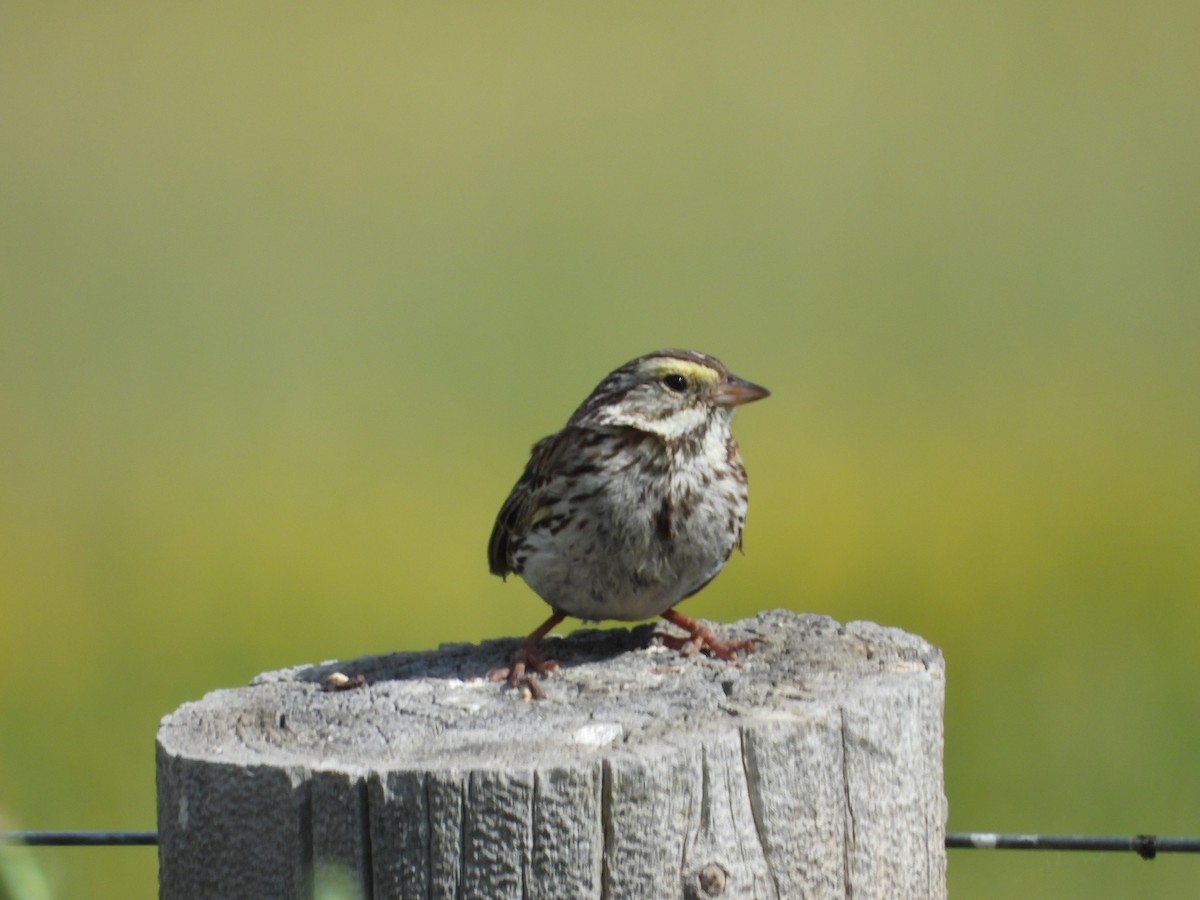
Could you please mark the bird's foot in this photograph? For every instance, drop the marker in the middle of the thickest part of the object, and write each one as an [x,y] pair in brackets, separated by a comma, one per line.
[527,661]
[700,637]
[520,673]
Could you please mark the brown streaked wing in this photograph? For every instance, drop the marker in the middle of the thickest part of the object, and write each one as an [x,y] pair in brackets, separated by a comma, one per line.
[517,512]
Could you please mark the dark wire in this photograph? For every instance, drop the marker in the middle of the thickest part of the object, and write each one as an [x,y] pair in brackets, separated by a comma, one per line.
[80,838]
[1147,846]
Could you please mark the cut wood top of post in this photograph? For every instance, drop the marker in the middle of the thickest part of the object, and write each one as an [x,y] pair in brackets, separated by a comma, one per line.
[616,689]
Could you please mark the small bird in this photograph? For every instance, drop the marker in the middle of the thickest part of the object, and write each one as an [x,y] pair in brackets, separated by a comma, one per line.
[636,504]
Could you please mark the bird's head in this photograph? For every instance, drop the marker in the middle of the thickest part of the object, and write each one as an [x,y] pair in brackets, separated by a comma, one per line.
[671,393]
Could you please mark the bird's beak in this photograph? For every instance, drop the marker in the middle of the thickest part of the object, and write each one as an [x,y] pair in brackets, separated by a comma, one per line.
[733,391]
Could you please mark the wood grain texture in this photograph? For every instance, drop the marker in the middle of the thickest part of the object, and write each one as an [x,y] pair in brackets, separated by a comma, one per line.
[810,768]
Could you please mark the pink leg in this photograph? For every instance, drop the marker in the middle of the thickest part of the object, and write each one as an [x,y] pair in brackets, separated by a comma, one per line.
[700,637]
[529,659]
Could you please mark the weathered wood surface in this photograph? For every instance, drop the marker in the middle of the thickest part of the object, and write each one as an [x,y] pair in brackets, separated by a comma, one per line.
[810,768]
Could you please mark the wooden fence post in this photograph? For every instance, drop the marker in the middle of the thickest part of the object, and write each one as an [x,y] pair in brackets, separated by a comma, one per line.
[810,768]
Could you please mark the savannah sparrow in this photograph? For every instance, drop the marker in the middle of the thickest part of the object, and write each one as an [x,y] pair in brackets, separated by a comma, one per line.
[635,505]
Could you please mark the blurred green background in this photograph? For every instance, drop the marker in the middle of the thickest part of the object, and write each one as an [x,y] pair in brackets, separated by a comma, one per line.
[288,290]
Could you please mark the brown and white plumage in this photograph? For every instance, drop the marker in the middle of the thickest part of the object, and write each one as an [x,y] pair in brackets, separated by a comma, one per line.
[639,500]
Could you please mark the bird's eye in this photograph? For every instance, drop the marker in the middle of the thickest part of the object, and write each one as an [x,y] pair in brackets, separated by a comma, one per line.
[676,382]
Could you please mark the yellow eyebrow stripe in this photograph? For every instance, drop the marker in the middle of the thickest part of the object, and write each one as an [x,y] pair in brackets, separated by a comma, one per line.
[693,372]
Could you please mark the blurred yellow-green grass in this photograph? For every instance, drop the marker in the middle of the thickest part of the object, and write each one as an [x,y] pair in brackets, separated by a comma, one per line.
[287,291]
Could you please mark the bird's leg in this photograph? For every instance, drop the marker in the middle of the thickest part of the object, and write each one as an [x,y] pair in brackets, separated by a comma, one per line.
[700,637]
[529,659]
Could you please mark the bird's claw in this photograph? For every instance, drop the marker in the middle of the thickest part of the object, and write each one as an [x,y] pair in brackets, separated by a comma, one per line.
[527,660]
[700,637]
[520,674]
[693,644]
